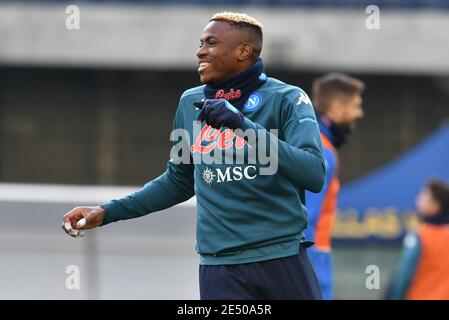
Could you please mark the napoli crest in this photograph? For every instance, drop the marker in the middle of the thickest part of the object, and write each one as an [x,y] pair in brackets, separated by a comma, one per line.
[253,102]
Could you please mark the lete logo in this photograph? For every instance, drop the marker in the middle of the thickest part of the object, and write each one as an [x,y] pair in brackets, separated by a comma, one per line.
[222,140]
[232,94]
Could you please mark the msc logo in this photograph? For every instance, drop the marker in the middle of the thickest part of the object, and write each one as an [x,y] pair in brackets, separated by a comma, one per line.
[230,174]
[208,176]
[253,102]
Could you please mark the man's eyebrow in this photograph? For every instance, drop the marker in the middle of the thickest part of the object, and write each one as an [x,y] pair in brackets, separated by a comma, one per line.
[208,38]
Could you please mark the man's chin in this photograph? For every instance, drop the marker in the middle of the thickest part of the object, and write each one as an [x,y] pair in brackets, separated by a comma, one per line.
[349,128]
[206,80]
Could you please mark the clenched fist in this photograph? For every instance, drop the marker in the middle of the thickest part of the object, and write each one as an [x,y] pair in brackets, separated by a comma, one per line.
[82,218]
[219,113]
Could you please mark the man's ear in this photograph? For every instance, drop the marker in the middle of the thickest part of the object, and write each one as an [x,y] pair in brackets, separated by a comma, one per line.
[245,51]
[334,110]
[437,207]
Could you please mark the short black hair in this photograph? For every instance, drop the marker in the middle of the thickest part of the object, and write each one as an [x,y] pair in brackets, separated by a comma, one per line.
[332,84]
[250,26]
[440,192]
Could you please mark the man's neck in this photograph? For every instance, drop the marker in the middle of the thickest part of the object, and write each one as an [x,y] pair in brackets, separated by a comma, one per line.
[241,68]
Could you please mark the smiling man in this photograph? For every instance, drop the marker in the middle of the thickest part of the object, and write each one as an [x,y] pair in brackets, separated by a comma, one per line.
[249,223]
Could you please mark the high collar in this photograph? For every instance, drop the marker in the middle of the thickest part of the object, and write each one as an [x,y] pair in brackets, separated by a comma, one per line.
[439,219]
[334,132]
[238,88]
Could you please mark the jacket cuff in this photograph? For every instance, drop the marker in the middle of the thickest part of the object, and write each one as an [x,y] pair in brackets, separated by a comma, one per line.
[112,212]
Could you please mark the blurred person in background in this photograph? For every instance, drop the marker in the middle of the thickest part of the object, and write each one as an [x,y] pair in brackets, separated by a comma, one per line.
[422,272]
[249,229]
[338,104]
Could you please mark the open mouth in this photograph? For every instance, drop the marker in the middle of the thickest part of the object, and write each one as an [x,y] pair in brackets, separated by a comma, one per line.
[203,66]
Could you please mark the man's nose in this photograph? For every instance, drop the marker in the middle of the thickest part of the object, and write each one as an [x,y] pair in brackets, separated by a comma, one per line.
[361,113]
[201,52]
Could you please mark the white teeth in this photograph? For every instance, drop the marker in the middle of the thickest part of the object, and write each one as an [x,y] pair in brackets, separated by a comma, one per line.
[203,64]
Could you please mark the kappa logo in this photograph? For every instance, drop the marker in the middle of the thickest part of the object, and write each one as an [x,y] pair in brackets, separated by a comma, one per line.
[303,98]
[253,102]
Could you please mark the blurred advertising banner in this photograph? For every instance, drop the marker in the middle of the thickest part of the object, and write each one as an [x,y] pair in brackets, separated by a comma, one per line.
[381,205]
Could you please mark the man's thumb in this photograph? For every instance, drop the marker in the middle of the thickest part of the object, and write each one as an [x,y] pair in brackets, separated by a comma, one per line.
[81,223]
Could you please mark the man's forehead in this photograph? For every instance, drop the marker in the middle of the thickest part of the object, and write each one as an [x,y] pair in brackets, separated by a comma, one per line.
[218,29]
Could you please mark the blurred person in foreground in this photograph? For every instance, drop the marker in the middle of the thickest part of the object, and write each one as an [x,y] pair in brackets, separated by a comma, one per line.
[338,104]
[422,272]
[249,229]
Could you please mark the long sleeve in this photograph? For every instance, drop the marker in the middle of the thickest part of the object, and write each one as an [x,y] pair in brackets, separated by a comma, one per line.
[300,153]
[314,201]
[174,186]
[406,268]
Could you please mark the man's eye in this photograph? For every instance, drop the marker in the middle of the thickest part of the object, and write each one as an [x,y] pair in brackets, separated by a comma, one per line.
[209,43]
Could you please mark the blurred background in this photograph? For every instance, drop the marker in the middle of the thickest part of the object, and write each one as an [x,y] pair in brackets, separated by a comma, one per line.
[86,114]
